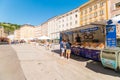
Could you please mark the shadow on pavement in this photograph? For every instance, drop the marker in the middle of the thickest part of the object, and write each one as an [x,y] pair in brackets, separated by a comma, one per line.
[56,51]
[97,67]
[78,58]
[75,57]
[93,65]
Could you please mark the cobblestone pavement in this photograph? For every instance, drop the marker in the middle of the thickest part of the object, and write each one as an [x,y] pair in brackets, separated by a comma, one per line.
[10,68]
[41,64]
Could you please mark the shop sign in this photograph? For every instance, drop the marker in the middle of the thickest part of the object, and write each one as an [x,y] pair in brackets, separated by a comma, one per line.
[69,33]
[89,30]
[111,35]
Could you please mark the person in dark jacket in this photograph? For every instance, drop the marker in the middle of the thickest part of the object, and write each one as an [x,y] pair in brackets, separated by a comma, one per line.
[68,49]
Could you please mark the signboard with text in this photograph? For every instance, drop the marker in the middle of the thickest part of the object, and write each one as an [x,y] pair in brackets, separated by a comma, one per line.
[111,36]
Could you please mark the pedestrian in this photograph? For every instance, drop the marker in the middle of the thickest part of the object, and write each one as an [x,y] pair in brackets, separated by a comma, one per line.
[52,45]
[47,45]
[62,48]
[68,49]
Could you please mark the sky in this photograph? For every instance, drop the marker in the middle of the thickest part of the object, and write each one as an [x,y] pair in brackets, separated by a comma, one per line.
[34,12]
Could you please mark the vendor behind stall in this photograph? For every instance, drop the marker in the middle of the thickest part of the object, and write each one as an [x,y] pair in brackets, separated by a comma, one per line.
[78,38]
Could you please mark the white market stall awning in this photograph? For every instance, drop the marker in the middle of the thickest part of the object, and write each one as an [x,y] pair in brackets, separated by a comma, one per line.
[11,37]
[43,37]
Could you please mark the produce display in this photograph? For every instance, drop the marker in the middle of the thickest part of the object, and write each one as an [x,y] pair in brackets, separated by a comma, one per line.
[88,50]
[93,45]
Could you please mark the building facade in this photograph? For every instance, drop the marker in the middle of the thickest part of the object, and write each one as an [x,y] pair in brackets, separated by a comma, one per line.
[63,22]
[27,32]
[38,32]
[94,11]
[68,20]
[115,8]
[1,31]
[44,29]
[52,28]
[115,11]
[17,34]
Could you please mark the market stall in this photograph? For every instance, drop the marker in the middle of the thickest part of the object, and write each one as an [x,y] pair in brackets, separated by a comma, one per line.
[86,41]
[110,57]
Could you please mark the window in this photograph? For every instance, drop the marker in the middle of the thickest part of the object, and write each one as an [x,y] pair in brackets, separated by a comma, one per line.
[67,24]
[101,4]
[101,12]
[90,16]
[76,22]
[90,9]
[117,5]
[82,13]
[70,17]
[95,14]
[85,11]
[70,23]
[59,26]
[95,7]
[63,20]
[63,25]
[76,15]
[66,18]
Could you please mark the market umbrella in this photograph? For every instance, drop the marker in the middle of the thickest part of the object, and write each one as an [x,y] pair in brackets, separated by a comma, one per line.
[43,37]
[31,38]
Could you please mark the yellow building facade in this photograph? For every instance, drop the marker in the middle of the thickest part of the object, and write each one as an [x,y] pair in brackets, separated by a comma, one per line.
[94,11]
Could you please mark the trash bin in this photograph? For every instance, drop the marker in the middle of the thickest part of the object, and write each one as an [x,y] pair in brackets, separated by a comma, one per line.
[119,61]
[110,58]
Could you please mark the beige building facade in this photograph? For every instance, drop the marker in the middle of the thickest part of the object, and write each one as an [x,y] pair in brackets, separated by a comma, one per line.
[38,32]
[44,29]
[63,22]
[68,20]
[52,28]
[115,11]
[17,34]
[27,32]
[2,32]
[115,8]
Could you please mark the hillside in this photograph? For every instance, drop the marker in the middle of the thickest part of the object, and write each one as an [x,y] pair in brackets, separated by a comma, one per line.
[9,27]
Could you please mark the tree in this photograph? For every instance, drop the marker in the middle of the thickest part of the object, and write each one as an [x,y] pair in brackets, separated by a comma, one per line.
[9,27]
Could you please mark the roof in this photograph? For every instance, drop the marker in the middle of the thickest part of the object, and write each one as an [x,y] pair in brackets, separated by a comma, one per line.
[91,1]
[27,25]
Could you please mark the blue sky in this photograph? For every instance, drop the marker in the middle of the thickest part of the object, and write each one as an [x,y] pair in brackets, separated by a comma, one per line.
[34,12]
